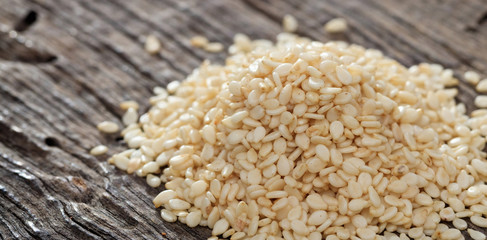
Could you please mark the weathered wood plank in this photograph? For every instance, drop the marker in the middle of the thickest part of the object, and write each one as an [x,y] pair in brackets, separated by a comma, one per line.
[87,56]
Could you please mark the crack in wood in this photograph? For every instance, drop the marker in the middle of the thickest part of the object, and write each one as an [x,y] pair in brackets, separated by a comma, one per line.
[18,49]
[26,22]
[482,19]
[20,142]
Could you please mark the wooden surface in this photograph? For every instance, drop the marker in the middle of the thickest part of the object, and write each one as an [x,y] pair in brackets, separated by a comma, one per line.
[72,62]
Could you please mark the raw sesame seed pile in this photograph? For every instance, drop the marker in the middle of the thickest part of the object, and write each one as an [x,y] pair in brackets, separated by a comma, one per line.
[308,140]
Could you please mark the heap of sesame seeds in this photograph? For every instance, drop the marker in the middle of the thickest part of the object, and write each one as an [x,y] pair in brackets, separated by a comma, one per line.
[309,140]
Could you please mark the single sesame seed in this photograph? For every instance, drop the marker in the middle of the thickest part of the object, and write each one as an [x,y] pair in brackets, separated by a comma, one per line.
[199,41]
[214,47]
[482,86]
[476,235]
[130,117]
[152,44]
[125,105]
[193,219]
[479,221]
[336,25]
[481,101]
[168,216]
[178,204]
[153,181]
[343,75]
[460,224]
[107,127]
[289,23]
[472,77]
[98,150]
[451,234]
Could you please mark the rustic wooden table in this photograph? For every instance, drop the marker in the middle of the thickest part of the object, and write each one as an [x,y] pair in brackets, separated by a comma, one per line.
[65,66]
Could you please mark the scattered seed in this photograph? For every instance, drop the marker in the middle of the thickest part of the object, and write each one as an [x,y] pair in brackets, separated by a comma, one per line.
[107,127]
[98,150]
[214,47]
[336,25]
[199,41]
[129,104]
[152,44]
[289,23]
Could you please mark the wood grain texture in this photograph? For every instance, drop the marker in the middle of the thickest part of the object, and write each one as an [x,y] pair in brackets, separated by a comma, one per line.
[70,63]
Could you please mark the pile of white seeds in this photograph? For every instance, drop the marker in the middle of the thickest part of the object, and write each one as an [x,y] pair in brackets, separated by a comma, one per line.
[309,140]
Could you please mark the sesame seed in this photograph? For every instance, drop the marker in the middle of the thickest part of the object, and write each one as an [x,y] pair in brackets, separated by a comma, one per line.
[343,75]
[299,227]
[451,234]
[129,104]
[317,218]
[354,189]
[397,186]
[236,136]
[276,194]
[121,162]
[98,150]
[289,23]
[173,86]
[481,101]
[447,214]
[130,117]
[107,127]
[220,227]
[365,233]
[482,86]
[198,188]
[479,221]
[472,77]
[356,205]
[336,25]
[178,204]
[168,216]
[476,235]
[336,129]
[199,41]
[214,47]
[316,202]
[460,224]
[152,44]
[283,69]
[153,181]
